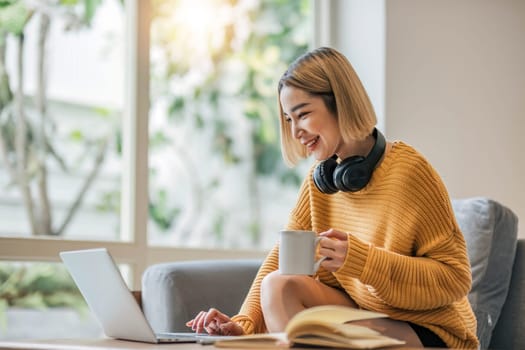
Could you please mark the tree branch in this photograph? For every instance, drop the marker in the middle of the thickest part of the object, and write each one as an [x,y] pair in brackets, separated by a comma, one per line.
[45,218]
[101,154]
[4,115]
[6,108]
[21,139]
[6,95]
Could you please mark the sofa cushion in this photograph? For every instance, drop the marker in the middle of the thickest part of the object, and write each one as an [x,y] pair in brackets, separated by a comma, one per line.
[173,293]
[490,231]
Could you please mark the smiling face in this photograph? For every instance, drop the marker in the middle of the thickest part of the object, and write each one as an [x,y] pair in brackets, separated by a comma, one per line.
[324,109]
[310,122]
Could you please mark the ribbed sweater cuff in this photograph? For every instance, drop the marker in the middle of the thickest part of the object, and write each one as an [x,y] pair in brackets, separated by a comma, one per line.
[245,322]
[355,259]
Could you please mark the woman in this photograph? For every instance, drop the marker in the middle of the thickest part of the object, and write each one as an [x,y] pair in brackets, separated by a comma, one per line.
[389,233]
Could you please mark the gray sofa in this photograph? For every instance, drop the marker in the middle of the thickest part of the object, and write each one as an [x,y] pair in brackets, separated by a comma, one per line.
[172,293]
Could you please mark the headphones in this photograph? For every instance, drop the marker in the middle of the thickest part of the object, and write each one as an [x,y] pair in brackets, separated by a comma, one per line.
[353,173]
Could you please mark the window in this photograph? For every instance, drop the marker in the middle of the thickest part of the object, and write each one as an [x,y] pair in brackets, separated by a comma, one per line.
[63,95]
[40,300]
[211,138]
[217,178]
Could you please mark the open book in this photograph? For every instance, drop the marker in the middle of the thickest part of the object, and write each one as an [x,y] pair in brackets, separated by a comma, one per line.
[323,326]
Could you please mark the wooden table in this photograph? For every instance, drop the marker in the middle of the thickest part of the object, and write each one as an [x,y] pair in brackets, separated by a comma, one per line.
[94,344]
[107,344]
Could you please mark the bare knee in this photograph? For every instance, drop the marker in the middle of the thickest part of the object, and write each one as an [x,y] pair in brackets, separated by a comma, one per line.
[281,298]
[275,285]
[271,280]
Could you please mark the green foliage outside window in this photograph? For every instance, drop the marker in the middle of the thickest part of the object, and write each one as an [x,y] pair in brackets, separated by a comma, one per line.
[211,92]
[252,55]
[28,128]
[37,286]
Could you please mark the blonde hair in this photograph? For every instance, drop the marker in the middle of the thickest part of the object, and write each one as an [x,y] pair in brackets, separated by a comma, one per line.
[327,73]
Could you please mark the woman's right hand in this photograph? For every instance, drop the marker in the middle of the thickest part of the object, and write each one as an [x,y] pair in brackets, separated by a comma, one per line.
[214,322]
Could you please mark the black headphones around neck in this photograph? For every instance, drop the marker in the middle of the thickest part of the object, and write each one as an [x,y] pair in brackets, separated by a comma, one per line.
[353,173]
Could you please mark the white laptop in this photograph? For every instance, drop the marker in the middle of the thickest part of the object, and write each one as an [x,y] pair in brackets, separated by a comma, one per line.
[107,295]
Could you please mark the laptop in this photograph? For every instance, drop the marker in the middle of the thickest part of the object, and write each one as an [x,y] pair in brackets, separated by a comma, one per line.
[107,295]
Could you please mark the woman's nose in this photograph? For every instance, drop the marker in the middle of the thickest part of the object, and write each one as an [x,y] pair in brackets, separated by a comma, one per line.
[296,130]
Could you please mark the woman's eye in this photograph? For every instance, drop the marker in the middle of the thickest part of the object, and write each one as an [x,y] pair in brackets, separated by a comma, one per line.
[287,120]
[303,114]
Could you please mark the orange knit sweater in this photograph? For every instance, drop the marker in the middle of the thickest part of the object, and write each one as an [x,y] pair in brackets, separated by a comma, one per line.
[406,254]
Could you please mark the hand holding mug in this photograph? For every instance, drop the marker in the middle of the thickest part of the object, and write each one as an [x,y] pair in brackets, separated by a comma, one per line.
[335,249]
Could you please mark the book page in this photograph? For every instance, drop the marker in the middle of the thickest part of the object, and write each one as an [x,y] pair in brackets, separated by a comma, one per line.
[319,326]
[330,314]
[336,330]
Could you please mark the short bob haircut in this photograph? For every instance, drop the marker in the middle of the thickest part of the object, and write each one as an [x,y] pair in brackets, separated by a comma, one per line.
[327,73]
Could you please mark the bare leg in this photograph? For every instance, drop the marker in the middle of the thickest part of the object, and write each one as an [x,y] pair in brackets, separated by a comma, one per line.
[282,296]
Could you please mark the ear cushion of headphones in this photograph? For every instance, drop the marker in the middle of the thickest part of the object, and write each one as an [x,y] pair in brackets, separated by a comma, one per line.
[352,174]
[323,176]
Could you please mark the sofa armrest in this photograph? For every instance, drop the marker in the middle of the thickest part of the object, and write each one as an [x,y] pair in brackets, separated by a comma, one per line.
[508,333]
[173,293]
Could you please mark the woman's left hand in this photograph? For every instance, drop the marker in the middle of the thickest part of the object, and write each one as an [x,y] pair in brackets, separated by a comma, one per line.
[334,246]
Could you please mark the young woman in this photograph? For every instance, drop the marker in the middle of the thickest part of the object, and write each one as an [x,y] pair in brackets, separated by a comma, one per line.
[389,233]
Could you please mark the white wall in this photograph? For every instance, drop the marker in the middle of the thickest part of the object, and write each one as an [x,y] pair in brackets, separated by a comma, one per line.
[454,87]
[360,35]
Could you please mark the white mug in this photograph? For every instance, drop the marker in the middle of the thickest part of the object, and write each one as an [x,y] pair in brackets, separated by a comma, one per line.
[297,252]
